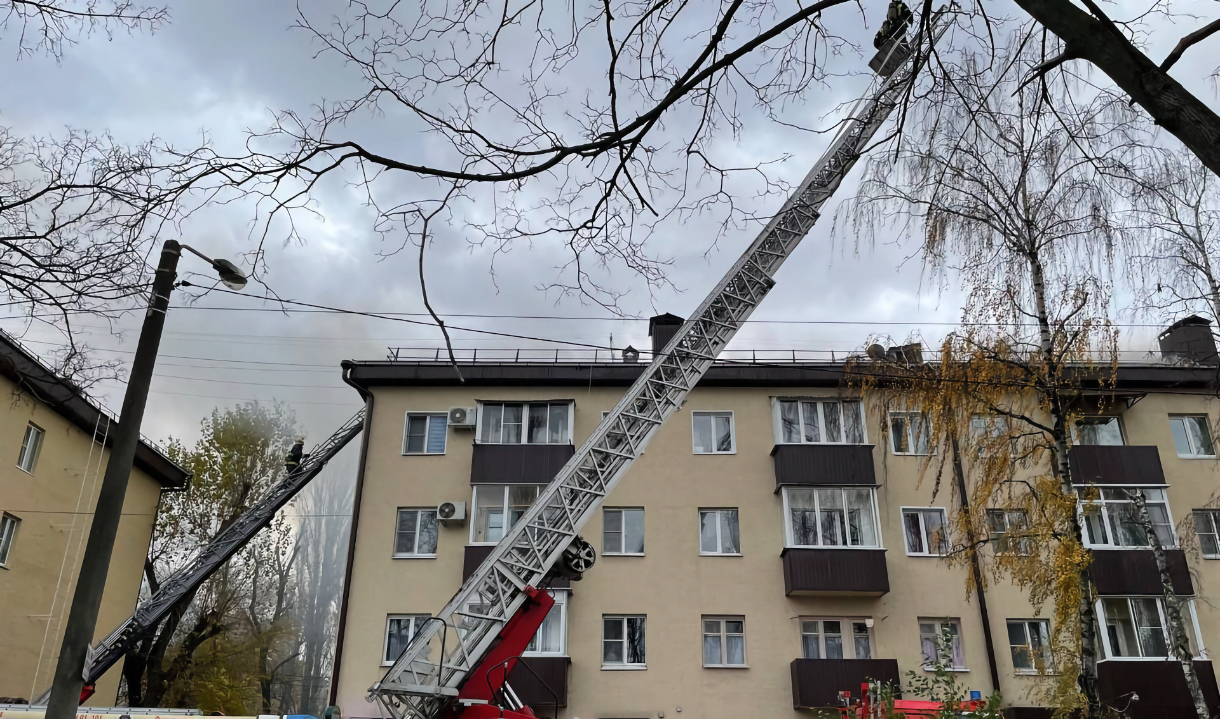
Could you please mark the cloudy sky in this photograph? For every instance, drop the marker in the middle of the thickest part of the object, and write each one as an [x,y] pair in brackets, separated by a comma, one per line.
[223,66]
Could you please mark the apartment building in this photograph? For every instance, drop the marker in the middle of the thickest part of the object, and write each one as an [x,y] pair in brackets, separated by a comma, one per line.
[57,440]
[772,547]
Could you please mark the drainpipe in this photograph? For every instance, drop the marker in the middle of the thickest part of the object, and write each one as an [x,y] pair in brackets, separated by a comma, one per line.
[351,540]
[960,476]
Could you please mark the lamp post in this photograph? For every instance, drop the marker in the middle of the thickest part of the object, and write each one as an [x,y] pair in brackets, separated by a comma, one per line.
[82,617]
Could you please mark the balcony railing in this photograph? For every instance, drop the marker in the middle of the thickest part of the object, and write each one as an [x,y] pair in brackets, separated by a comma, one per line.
[476,553]
[1159,684]
[518,463]
[816,683]
[835,572]
[543,688]
[1105,464]
[1134,571]
[826,464]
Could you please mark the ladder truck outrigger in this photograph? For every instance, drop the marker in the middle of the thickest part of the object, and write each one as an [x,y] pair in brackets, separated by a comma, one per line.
[457,663]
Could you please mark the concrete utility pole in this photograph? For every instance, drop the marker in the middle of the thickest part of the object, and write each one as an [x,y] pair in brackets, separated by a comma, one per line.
[82,618]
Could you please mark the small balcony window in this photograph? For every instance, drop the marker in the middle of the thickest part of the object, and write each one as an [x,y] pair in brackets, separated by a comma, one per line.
[525,423]
[497,507]
[836,638]
[1099,431]
[820,421]
[551,639]
[1136,628]
[1110,520]
[831,517]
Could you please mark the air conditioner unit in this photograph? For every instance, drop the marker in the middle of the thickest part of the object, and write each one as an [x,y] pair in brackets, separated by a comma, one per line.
[451,512]
[462,416]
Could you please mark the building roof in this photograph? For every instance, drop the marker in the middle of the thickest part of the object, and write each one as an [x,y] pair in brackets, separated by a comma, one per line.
[1149,376]
[27,371]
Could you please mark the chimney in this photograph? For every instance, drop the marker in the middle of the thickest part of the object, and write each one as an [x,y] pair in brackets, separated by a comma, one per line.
[662,329]
[1190,339]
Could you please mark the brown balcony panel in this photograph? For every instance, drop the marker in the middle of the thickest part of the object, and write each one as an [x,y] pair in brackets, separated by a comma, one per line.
[1095,464]
[1161,687]
[1133,571]
[816,683]
[544,688]
[835,572]
[518,463]
[827,464]
[476,553]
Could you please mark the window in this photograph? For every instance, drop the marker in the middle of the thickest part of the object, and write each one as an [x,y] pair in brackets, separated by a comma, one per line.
[623,531]
[8,529]
[623,642]
[718,532]
[1206,523]
[823,639]
[909,433]
[1030,644]
[1192,436]
[415,534]
[521,423]
[497,507]
[1099,430]
[1136,627]
[30,444]
[551,637]
[1004,523]
[425,433]
[399,628]
[940,640]
[831,517]
[1110,520]
[987,431]
[724,642]
[821,421]
[926,531]
[713,432]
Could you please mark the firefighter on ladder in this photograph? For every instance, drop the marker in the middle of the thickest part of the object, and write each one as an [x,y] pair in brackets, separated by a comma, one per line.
[295,455]
[895,26]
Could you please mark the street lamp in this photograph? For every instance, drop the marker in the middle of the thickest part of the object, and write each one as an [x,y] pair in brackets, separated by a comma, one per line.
[66,693]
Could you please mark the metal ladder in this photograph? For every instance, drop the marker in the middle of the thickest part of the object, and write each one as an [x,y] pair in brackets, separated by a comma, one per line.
[150,613]
[434,665]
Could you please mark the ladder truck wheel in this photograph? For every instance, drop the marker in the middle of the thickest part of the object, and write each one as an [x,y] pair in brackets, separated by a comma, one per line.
[577,558]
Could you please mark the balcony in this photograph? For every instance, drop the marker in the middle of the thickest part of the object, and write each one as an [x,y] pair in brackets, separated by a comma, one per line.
[824,464]
[1102,464]
[1160,685]
[518,463]
[543,688]
[1133,571]
[476,553]
[816,683]
[835,572]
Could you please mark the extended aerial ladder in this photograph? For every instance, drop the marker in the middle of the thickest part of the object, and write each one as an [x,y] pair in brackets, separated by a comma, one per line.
[456,664]
[151,612]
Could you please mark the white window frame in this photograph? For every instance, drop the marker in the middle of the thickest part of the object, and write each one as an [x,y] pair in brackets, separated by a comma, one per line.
[923,531]
[561,605]
[1047,661]
[504,508]
[994,425]
[622,530]
[525,405]
[713,414]
[910,439]
[1122,434]
[1101,502]
[419,511]
[939,622]
[1212,517]
[1207,423]
[847,634]
[442,417]
[27,460]
[624,665]
[724,635]
[416,621]
[778,424]
[1023,544]
[789,537]
[8,534]
[1108,652]
[719,537]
